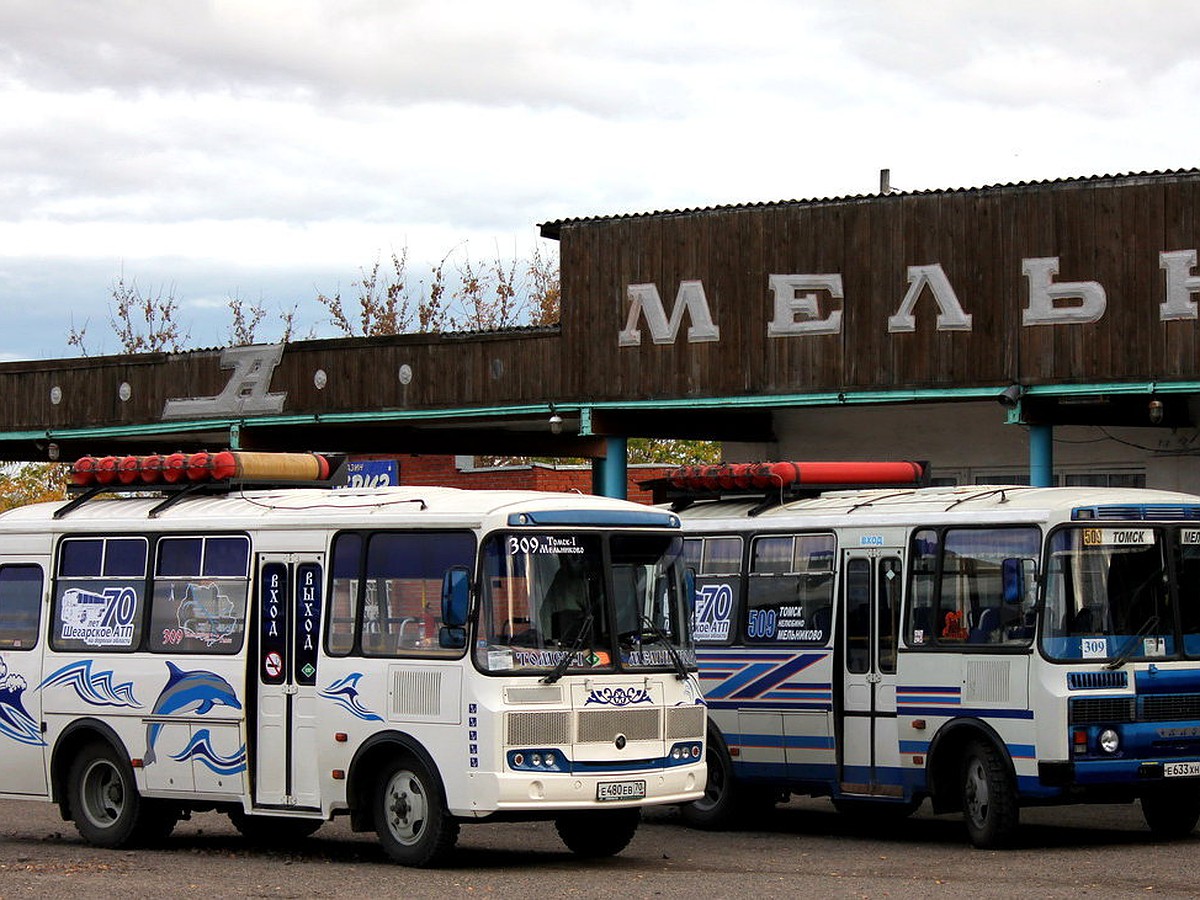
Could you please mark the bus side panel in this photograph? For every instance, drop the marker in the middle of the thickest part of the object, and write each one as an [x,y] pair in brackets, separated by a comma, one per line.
[182,716]
[937,688]
[773,706]
[360,697]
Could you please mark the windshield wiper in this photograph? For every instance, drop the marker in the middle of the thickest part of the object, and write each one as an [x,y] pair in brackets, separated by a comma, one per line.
[1123,657]
[585,632]
[680,669]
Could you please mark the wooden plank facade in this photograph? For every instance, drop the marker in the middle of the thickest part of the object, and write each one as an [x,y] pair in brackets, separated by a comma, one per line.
[1108,231]
[969,264]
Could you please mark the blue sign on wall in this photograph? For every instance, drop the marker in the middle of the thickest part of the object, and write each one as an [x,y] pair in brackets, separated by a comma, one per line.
[368,473]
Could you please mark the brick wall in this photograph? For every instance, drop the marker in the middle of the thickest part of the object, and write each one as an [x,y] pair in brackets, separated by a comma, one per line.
[443,471]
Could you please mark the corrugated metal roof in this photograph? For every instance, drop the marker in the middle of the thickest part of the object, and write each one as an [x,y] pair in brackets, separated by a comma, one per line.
[553,229]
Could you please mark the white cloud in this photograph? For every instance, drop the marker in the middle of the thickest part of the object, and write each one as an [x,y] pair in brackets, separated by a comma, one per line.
[235,144]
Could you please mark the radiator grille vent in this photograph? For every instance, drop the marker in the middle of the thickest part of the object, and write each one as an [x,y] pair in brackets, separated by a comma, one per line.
[1170,707]
[416,693]
[686,722]
[538,729]
[1097,710]
[603,725]
[1090,681]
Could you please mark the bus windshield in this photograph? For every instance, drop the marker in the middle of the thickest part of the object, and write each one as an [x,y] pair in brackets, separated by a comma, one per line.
[1108,595]
[546,600]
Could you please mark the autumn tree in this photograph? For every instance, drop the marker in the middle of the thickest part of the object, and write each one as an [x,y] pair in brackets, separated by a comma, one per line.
[143,323]
[24,483]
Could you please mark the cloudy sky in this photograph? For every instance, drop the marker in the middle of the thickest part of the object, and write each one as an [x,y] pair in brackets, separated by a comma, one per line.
[268,149]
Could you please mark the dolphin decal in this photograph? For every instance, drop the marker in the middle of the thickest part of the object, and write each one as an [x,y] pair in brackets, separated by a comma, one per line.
[194,692]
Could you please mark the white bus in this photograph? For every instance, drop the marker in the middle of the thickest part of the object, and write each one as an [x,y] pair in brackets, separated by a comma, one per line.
[414,658]
[985,647]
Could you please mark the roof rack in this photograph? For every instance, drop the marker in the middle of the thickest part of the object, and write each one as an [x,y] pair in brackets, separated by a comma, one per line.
[778,482]
[180,475]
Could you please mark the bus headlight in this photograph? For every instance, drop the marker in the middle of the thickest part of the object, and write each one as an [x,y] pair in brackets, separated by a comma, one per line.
[1109,740]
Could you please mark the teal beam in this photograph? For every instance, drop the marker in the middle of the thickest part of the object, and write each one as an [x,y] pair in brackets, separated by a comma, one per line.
[1041,455]
[585,410]
[615,472]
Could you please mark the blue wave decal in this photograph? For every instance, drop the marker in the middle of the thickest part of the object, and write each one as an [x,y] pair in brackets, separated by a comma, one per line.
[344,692]
[15,723]
[200,747]
[195,692]
[94,688]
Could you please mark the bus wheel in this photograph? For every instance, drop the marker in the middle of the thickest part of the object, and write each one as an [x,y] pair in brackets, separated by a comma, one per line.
[411,820]
[717,808]
[105,805]
[1174,813]
[988,797]
[272,831]
[593,834]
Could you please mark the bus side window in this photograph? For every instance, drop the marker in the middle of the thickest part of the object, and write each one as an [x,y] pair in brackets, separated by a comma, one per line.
[20,606]
[402,613]
[718,565]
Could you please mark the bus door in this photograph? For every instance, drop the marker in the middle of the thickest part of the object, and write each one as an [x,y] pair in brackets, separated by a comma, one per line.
[868,749]
[289,616]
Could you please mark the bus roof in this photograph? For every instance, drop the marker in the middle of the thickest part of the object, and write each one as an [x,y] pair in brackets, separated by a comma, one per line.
[968,504]
[301,507]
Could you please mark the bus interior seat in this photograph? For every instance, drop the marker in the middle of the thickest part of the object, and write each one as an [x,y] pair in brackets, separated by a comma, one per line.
[987,622]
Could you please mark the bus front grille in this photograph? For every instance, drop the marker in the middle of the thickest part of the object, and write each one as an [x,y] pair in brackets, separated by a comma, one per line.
[1098,710]
[1170,707]
[538,729]
[601,726]
[686,722]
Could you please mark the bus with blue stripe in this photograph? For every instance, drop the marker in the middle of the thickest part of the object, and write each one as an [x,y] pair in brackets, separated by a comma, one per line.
[984,648]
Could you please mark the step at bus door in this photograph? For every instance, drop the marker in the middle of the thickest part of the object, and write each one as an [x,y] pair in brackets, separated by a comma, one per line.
[289,616]
[868,752]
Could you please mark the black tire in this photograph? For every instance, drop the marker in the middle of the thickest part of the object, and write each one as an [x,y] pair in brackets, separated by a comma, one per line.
[871,812]
[1172,813]
[105,804]
[594,834]
[718,808]
[273,831]
[989,798]
[411,818]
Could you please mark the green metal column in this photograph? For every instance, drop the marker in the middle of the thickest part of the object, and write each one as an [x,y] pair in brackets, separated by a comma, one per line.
[1041,455]
[613,473]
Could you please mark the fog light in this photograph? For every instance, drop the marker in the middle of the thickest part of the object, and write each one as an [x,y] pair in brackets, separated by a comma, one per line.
[1109,740]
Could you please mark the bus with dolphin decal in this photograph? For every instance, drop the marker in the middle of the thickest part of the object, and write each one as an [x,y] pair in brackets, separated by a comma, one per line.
[251,641]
